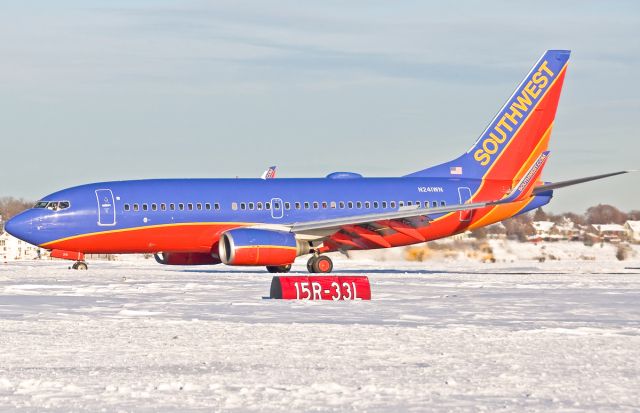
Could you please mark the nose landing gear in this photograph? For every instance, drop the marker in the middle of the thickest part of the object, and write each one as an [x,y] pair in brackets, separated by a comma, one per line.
[320,264]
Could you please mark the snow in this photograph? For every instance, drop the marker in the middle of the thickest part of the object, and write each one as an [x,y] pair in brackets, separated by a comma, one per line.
[133,335]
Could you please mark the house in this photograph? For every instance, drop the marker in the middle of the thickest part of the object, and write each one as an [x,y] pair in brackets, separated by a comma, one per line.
[633,230]
[610,232]
[11,249]
[568,230]
[543,230]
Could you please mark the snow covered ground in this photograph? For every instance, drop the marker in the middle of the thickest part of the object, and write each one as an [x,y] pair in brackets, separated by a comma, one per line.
[445,336]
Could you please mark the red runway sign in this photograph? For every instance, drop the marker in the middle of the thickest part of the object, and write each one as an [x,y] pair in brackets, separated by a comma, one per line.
[353,287]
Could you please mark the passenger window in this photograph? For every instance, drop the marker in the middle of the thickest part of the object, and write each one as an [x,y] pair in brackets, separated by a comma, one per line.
[350,204]
[276,205]
[190,206]
[307,205]
[384,204]
[216,206]
[409,203]
[199,206]
[341,204]
[358,204]
[297,205]
[392,204]
[333,204]
[435,204]
[259,206]
[251,205]
[375,204]
[136,207]
[243,206]
[443,203]
[154,207]
[287,206]
[163,207]
[400,203]
[234,206]
[316,205]
[172,207]
[324,205]
[418,203]
[367,204]
[145,207]
[207,206]
[126,207]
[181,207]
[267,205]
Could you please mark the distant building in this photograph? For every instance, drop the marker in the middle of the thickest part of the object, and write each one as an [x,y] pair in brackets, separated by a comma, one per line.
[543,228]
[610,232]
[568,230]
[633,230]
[11,249]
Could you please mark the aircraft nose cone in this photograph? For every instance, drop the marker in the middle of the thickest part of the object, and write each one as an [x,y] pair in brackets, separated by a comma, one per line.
[20,227]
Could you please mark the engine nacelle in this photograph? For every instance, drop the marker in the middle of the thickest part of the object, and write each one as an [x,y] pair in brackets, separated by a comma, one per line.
[251,246]
[186,258]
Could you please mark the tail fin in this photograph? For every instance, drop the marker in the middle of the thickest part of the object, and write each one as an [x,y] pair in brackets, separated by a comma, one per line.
[519,133]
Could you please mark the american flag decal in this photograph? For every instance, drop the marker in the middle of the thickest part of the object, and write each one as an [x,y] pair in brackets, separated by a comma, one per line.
[455,170]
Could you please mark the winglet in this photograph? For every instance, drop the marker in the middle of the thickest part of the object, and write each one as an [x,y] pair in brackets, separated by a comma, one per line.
[524,189]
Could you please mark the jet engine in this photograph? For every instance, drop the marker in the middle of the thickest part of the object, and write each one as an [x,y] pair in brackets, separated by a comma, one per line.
[252,246]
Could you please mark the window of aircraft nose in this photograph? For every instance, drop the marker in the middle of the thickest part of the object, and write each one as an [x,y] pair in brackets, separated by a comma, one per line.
[41,204]
[53,206]
[63,205]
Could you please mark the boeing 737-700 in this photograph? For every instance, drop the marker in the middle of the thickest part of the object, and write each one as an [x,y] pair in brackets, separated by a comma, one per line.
[270,222]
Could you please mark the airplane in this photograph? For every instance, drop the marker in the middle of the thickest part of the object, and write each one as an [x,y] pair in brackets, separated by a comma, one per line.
[270,222]
[270,173]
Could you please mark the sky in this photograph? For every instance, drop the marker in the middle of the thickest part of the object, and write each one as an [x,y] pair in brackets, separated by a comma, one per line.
[109,90]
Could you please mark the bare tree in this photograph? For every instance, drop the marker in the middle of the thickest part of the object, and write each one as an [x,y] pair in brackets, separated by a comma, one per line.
[10,206]
[605,214]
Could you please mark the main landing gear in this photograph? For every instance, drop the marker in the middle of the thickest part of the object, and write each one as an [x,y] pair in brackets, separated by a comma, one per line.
[319,264]
[79,265]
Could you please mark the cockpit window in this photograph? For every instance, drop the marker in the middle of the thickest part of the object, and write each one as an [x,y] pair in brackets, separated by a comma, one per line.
[53,205]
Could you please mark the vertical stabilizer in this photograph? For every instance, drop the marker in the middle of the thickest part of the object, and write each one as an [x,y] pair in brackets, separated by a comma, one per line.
[519,133]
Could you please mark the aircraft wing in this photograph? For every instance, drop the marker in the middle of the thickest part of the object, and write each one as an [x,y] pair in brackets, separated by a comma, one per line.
[523,190]
[329,226]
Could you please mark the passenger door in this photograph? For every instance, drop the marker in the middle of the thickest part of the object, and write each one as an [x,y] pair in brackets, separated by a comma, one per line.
[106,207]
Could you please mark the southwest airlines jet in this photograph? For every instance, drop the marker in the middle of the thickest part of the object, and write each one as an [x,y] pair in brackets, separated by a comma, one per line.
[269,222]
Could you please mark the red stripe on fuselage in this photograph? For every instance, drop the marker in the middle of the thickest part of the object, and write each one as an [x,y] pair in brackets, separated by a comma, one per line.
[193,237]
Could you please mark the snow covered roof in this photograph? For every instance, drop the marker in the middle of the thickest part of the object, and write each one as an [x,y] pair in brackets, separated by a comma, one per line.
[542,225]
[609,227]
[633,225]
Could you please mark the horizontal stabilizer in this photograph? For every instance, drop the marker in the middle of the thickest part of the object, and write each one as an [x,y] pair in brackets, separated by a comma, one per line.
[562,184]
